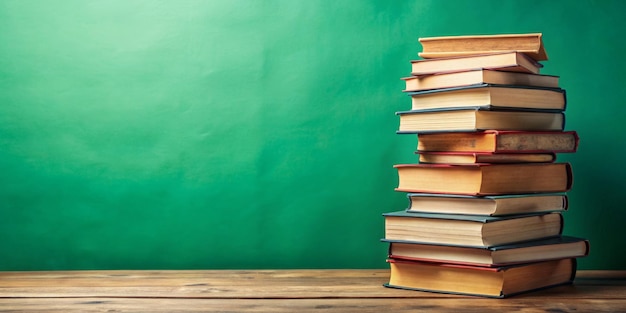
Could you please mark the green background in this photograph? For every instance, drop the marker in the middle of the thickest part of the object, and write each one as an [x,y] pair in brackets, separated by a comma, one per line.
[259,134]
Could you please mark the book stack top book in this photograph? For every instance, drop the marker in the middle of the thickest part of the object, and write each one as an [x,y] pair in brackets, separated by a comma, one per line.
[486,190]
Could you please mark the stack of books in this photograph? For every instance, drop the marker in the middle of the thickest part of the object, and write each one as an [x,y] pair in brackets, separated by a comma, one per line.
[487,195]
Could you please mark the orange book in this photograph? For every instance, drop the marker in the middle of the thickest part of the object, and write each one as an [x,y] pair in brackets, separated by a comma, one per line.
[485,179]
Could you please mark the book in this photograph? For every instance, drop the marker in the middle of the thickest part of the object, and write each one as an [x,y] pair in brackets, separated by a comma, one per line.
[509,61]
[476,119]
[490,96]
[487,205]
[497,282]
[446,46]
[471,230]
[524,252]
[497,141]
[483,157]
[476,77]
[485,179]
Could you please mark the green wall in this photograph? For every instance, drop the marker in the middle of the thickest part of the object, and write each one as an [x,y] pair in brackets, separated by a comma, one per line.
[258,134]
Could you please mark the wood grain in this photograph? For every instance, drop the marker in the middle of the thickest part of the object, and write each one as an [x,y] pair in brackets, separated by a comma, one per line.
[279,291]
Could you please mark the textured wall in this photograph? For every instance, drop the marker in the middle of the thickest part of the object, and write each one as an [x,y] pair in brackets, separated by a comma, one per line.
[257,134]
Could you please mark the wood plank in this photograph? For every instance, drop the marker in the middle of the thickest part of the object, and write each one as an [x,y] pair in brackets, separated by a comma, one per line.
[65,305]
[292,284]
[288,292]
[129,278]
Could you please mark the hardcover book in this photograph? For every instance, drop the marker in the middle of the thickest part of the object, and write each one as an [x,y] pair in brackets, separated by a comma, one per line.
[490,96]
[483,157]
[470,230]
[477,77]
[504,255]
[497,282]
[487,205]
[498,141]
[485,179]
[477,119]
[508,61]
[446,46]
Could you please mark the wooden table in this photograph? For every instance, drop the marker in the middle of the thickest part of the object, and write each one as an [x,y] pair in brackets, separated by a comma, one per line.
[280,291]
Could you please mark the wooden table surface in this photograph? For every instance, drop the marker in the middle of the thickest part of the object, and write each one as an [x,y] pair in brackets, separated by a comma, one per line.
[280,291]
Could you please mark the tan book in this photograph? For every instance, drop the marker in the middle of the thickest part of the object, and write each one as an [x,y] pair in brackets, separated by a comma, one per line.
[496,141]
[491,96]
[487,205]
[498,282]
[477,157]
[476,119]
[470,230]
[503,255]
[446,46]
[476,77]
[509,61]
[485,179]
